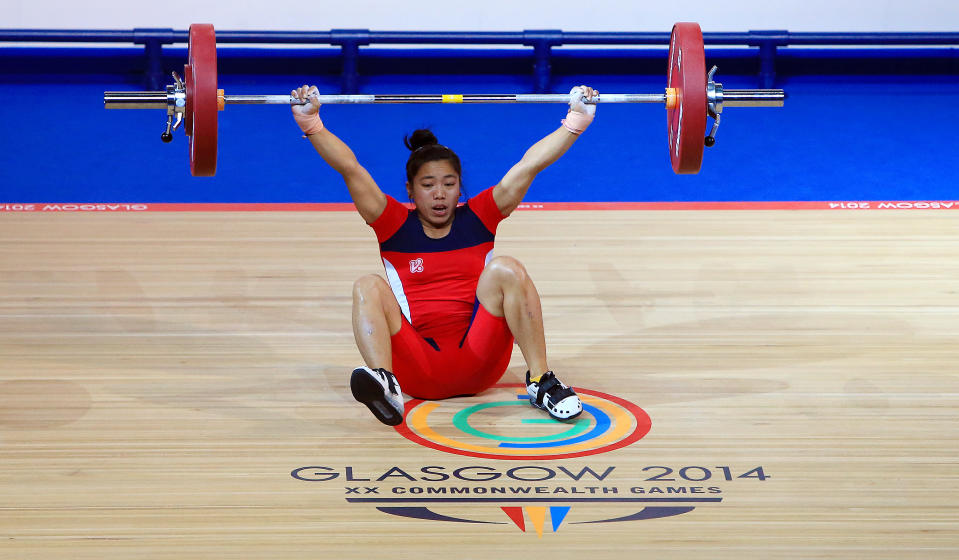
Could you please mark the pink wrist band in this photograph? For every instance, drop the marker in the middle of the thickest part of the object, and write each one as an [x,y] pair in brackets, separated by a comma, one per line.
[309,124]
[577,122]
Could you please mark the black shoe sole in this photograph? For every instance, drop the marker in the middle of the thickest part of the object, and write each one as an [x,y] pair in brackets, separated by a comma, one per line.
[370,392]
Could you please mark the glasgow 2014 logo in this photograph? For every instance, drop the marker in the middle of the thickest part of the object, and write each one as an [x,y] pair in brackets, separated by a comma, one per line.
[502,425]
[607,423]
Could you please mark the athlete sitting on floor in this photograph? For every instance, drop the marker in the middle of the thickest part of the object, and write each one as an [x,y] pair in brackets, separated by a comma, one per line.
[443,321]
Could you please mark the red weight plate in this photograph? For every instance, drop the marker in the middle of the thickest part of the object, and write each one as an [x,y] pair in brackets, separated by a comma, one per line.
[201,95]
[188,108]
[687,121]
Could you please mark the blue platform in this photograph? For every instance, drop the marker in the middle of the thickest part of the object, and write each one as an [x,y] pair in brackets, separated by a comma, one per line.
[878,130]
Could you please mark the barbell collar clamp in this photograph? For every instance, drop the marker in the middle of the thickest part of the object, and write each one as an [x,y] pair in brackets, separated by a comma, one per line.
[714,105]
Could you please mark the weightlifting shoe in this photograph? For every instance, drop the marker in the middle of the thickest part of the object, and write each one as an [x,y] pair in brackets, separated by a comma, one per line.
[379,390]
[553,396]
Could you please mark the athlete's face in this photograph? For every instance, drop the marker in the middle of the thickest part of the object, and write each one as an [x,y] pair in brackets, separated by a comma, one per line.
[435,191]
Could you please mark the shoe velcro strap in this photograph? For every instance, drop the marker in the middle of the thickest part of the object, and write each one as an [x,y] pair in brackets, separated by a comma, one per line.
[388,377]
[546,385]
[558,395]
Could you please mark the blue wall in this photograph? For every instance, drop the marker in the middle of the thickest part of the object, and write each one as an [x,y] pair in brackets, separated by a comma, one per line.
[846,133]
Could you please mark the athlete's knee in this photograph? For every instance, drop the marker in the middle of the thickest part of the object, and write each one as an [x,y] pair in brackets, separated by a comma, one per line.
[507,270]
[369,287]
[371,294]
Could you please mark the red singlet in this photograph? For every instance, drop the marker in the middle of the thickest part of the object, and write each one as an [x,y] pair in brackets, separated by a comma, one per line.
[449,344]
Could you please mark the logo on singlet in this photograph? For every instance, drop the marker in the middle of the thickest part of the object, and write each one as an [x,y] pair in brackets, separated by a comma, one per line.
[416,265]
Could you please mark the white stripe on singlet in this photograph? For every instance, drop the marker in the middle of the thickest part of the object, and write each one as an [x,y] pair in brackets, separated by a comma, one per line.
[397,286]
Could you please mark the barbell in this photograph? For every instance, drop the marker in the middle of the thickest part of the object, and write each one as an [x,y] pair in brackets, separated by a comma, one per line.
[691,97]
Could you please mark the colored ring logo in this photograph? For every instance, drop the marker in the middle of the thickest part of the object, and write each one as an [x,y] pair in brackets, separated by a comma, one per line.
[513,430]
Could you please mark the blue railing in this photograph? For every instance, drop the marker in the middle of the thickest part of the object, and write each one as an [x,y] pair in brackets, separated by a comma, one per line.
[542,41]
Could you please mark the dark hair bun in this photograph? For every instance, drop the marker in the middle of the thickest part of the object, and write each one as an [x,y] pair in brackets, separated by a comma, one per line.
[420,138]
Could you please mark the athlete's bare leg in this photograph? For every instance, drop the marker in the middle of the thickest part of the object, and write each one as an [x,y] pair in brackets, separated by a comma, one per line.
[376,317]
[506,290]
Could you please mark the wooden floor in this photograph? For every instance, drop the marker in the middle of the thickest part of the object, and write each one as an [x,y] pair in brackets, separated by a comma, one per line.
[162,375]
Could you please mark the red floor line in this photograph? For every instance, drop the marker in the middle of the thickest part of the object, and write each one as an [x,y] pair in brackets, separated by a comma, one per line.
[533,206]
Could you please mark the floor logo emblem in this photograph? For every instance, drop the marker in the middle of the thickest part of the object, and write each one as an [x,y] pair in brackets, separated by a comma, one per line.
[511,429]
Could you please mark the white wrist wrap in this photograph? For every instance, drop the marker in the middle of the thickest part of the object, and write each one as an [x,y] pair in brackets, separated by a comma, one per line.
[309,124]
[577,122]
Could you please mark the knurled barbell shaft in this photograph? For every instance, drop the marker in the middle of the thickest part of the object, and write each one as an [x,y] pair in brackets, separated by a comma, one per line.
[158,99]
[440,98]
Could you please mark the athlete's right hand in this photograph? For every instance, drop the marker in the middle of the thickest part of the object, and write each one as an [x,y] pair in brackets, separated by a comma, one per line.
[304,93]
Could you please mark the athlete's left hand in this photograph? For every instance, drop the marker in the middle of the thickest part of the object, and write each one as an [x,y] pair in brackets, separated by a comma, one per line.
[577,97]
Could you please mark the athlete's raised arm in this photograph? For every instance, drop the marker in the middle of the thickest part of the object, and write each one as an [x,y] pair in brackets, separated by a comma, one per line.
[367,196]
[513,186]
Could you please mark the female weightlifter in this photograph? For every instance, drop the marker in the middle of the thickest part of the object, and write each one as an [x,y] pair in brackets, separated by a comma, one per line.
[443,321]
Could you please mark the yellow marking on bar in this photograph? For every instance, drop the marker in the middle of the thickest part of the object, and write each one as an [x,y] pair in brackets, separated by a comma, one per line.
[452,99]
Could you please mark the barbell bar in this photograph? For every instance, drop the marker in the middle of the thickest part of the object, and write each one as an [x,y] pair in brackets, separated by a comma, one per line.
[691,96]
[158,99]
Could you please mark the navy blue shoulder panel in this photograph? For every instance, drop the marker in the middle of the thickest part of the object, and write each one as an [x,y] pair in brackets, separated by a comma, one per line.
[467,231]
